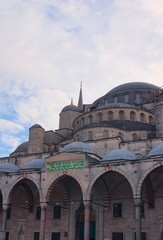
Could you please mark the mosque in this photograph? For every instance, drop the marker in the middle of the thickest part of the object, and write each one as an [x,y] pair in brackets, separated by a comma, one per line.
[99,176]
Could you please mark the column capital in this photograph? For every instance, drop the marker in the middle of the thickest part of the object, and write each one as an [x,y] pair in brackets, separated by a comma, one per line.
[43,205]
[137,201]
[87,203]
[5,206]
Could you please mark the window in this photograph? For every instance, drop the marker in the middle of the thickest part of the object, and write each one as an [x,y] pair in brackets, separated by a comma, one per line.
[142,117]
[150,119]
[134,137]
[137,100]
[36,236]
[55,236]
[38,213]
[110,116]
[132,116]
[121,115]
[7,236]
[90,137]
[57,212]
[126,98]
[90,119]
[99,117]
[117,236]
[117,210]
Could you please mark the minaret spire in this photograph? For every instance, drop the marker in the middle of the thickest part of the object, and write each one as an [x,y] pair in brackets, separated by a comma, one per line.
[80,101]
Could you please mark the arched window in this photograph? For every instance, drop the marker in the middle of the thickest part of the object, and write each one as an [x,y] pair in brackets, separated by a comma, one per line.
[90,119]
[137,100]
[99,117]
[90,135]
[126,98]
[110,116]
[150,119]
[132,116]
[121,115]
[142,118]
[105,134]
[134,137]
[115,100]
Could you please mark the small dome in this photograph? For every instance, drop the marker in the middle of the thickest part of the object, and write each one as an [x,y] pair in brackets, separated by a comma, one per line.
[70,107]
[36,163]
[9,167]
[119,154]
[158,150]
[79,147]
[22,147]
[36,126]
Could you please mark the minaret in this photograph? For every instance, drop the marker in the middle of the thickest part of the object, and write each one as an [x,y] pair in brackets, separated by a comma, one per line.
[80,101]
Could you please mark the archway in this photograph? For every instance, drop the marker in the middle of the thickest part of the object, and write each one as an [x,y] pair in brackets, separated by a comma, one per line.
[151,204]
[65,209]
[23,201]
[112,203]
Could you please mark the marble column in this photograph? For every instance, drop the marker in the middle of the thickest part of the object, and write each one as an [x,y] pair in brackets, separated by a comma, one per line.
[72,219]
[42,221]
[137,202]
[4,222]
[86,220]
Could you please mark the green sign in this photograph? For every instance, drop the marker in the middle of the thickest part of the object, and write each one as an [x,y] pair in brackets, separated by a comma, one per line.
[64,166]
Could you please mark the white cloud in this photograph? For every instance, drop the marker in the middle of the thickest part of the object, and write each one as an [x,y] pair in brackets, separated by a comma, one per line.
[48,46]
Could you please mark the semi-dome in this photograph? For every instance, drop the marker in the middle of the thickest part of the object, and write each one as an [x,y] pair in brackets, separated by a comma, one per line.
[79,147]
[119,154]
[156,151]
[35,164]
[9,168]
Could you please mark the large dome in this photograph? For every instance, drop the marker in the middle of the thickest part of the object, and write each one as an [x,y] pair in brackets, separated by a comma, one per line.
[133,93]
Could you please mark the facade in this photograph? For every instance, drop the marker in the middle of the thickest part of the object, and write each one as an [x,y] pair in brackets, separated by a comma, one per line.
[98,177]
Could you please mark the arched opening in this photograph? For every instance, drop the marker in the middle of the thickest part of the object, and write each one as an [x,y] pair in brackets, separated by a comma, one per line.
[99,117]
[112,204]
[134,137]
[65,209]
[151,199]
[121,115]
[132,116]
[150,120]
[90,135]
[90,119]
[110,116]
[105,134]
[142,118]
[24,201]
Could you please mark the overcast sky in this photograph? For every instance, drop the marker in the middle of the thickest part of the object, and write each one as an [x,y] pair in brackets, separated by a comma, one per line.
[47,47]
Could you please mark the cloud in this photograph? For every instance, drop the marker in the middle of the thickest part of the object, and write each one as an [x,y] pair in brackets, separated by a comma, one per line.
[47,47]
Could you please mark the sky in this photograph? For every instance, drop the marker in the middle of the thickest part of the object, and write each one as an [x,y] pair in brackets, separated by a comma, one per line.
[47,47]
